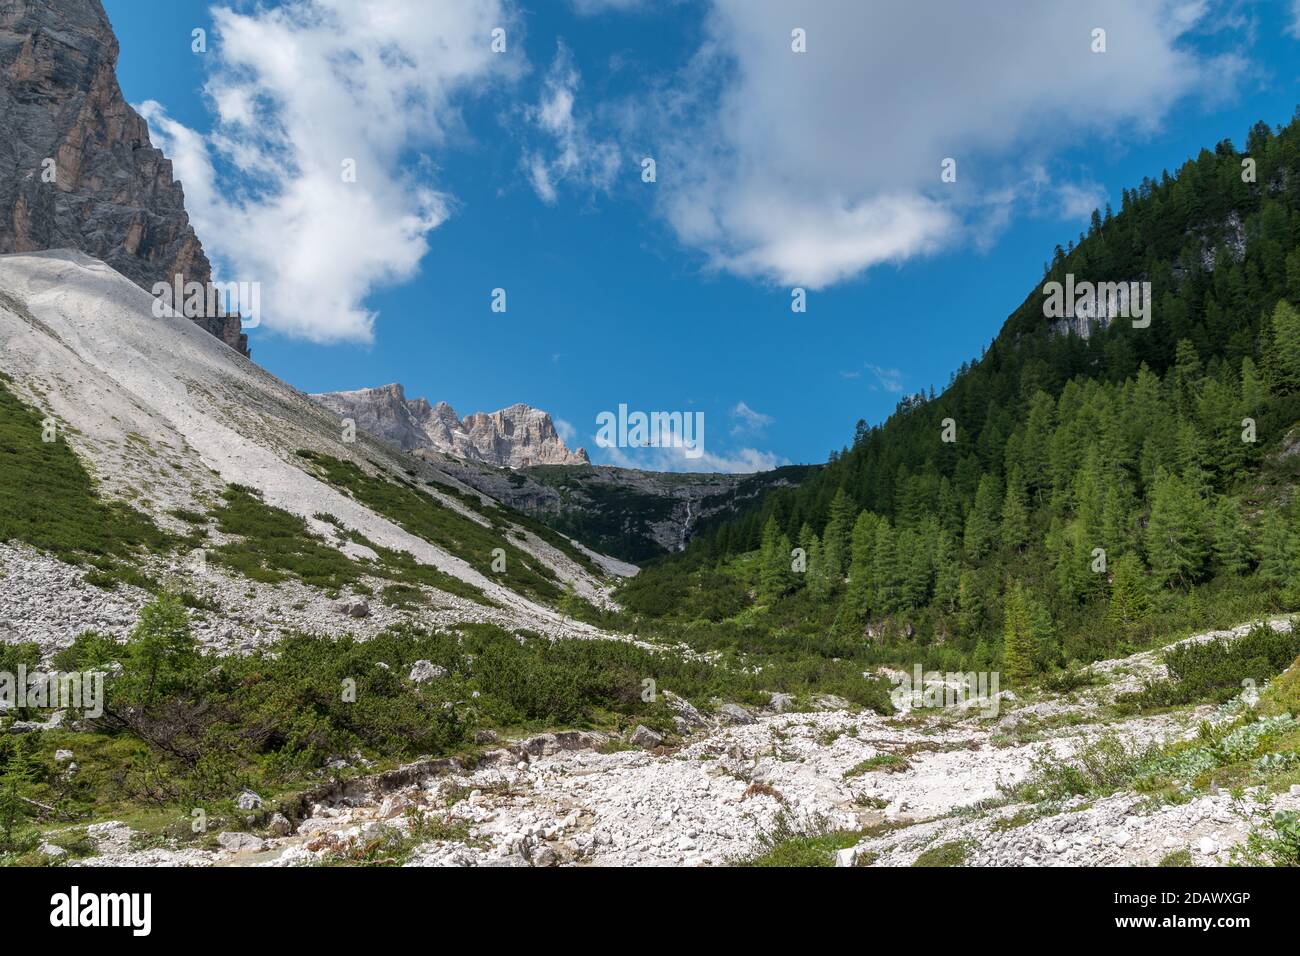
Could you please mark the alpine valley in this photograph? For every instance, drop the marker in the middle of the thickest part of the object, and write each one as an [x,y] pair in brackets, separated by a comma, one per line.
[358,628]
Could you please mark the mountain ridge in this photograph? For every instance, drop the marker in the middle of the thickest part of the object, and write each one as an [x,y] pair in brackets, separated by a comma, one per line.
[512,437]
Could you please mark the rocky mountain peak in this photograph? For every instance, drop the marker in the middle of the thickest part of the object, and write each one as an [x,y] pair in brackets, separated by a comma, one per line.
[513,437]
[77,168]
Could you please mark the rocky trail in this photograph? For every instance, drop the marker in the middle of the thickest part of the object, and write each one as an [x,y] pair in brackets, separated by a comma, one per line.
[583,798]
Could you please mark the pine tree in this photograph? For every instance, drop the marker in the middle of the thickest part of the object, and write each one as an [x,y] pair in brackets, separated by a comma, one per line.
[947,573]
[1276,551]
[1282,358]
[970,603]
[885,571]
[837,537]
[819,574]
[983,519]
[775,576]
[800,573]
[914,567]
[1175,540]
[1231,537]
[15,833]
[861,590]
[1192,457]
[1015,514]
[161,652]
[1130,606]
[1019,642]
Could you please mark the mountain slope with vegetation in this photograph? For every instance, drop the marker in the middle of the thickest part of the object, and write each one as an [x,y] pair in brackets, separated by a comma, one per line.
[1105,482]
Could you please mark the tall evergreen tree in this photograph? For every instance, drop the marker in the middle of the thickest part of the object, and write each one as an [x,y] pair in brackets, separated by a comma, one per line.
[1015,513]
[982,523]
[1231,538]
[775,576]
[1019,642]
[1276,551]
[861,590]
[1130,606]
[1176,539]
[837,538]
[1282,355]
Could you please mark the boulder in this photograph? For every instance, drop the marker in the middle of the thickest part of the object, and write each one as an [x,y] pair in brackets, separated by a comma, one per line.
[645,737]
[237,842]
[685,710]
[734,714]
[424,671]
[357,608]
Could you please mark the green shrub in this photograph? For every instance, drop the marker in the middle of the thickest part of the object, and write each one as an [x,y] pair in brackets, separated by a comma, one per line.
[1282,696]
[945,854]
[1214,671]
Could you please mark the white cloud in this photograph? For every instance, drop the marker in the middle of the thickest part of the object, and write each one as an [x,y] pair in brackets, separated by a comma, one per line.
[670,452]
[565,430]
[1078,200]
[574,154]
[743,461]
[297,90]
[748,420]
[807,169]
[1294,28]
[890,379]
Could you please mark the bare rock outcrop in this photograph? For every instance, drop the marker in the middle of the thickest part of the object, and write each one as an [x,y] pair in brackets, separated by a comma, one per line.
[514,437]
[77,169]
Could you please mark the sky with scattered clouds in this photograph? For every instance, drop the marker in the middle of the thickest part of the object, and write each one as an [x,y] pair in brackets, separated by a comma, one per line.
[382,166]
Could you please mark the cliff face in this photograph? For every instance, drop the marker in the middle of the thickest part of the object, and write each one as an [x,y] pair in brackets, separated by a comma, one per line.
[513,437]
[108,192]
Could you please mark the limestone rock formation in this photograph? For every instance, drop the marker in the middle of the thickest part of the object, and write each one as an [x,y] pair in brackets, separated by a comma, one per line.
[514,437]
[77,169]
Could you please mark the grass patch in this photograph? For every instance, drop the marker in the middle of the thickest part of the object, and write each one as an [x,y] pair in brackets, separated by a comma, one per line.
[891,763]
[275,545]
[48,500]
[788,844]
[945,854]
[425,517]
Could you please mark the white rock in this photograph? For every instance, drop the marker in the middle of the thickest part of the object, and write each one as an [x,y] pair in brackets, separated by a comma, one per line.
[240,842]
[424,671]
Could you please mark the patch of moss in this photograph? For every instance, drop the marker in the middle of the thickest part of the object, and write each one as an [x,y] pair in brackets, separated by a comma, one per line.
[945,854]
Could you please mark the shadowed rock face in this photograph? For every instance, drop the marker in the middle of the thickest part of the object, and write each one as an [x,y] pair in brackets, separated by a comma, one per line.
[112,195]
[513,437]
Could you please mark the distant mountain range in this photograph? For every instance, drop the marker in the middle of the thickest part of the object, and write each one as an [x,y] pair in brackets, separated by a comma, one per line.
[513,437]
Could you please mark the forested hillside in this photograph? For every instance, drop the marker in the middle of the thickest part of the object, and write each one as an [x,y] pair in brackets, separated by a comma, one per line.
[1099,488]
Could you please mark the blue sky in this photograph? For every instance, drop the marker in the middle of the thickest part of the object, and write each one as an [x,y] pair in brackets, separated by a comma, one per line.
[522,170]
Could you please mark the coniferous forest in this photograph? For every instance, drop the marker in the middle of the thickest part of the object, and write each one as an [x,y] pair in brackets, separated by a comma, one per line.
[1094,490]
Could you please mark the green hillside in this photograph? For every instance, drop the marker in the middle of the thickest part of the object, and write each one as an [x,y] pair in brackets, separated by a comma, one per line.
[1100,489]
